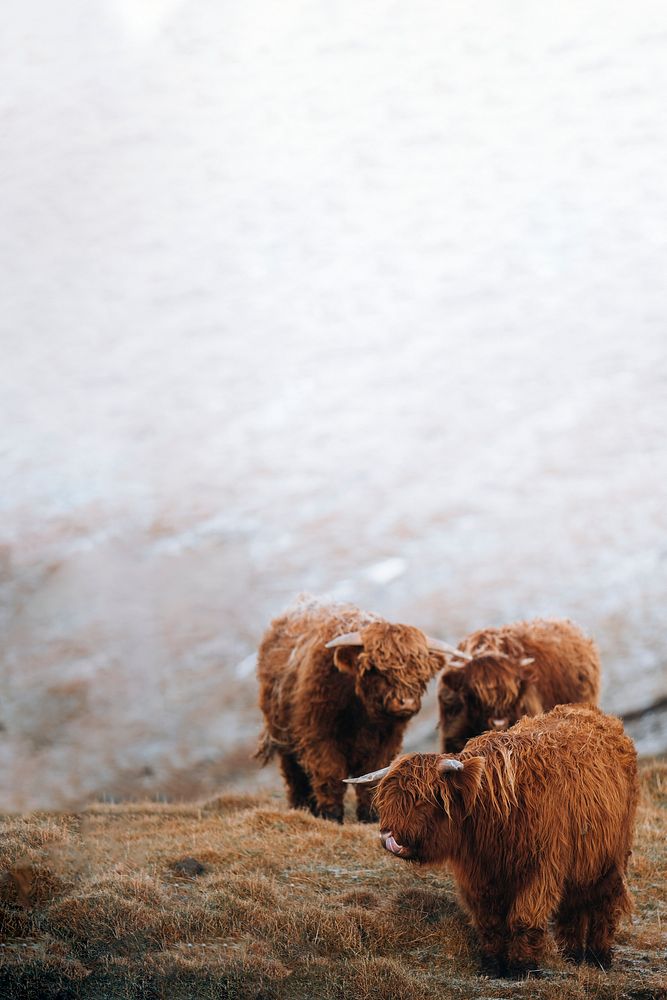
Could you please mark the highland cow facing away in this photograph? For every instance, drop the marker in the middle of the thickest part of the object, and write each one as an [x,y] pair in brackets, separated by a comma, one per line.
[516,670]
[536,823]
[337,689]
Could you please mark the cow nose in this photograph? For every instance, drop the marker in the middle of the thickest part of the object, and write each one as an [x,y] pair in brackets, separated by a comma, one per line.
[403,706]
[498,723]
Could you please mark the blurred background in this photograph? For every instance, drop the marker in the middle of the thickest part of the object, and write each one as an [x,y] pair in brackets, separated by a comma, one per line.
[364,299]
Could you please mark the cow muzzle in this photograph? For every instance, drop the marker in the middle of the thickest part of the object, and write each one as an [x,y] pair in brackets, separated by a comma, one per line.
[390,844]
[402,706]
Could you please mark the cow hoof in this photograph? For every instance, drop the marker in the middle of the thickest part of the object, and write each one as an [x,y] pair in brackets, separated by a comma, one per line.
[575,956]
[367,816]
[598,959]
[493,967]
[523,972]
[333,815]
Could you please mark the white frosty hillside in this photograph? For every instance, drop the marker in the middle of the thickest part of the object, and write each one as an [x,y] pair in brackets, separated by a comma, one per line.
[364,299]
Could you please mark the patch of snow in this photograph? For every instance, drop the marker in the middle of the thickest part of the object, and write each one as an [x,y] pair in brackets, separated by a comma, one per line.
[386,570]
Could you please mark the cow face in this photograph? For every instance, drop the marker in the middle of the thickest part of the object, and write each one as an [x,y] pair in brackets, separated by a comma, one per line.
[391,669]
[422,802]
[489,693]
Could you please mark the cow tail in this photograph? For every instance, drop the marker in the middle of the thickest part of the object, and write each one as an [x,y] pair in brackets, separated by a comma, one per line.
[266,748]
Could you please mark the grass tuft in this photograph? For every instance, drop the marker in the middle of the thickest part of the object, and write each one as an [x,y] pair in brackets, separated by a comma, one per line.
[244,899]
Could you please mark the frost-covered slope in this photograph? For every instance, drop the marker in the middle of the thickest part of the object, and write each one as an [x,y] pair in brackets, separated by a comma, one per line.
[367,302]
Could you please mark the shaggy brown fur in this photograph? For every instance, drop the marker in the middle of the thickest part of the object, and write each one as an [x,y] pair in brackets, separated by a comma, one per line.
[334,712]
[494,690]
[537,824]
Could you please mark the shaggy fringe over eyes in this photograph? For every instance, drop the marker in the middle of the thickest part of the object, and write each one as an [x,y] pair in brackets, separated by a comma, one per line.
[413,778]
[400,650]
[416,778]
[493,680]
[493,675]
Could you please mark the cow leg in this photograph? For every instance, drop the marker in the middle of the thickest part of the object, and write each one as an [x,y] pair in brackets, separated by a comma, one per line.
[374,752]
[491,930]
[527,922]
[327,768]
[299,791]
[572,926]
[365,811]
[329,794]
[525,949]
[609,900]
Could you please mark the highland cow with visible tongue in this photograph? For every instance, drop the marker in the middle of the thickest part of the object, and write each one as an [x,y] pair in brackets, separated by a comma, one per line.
[535,823]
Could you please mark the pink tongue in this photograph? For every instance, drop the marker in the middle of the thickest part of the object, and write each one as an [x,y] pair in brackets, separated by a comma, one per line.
[392,846]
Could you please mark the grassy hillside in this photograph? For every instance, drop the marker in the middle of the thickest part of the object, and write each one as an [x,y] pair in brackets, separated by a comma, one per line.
[242,898]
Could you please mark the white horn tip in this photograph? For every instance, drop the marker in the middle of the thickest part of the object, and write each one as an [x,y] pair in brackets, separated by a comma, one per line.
[367,779]
[349,639]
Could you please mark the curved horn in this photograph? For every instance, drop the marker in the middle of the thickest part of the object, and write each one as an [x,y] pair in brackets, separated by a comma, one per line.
[449,764]
[349,639]
[438,646]
[527,660]
[367,779]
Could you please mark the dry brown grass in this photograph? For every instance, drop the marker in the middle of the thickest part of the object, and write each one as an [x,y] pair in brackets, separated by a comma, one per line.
[242,898]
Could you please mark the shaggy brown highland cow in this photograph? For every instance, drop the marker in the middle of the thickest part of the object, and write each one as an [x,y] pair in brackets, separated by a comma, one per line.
[337,689]
[535,823]
[516,670]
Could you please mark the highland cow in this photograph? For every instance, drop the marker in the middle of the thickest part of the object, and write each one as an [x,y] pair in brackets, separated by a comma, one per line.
[337,689]
[521,669]
[536,823]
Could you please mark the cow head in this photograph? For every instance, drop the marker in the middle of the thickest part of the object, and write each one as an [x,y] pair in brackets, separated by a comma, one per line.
[422,801]
[490,692]
[391,666]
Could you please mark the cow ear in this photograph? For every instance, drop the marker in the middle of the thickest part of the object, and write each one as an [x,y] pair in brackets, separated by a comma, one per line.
[346,658]
[466,782]
[453,679]
[436,660]
[528,670]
